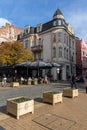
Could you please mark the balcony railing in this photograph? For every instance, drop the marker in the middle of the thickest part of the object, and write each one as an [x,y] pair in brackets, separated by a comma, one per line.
[37,48]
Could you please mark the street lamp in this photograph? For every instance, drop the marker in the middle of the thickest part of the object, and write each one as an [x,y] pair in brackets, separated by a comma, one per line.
[27,67]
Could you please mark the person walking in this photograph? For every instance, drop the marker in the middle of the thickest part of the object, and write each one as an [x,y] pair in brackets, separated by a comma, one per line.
[73,81]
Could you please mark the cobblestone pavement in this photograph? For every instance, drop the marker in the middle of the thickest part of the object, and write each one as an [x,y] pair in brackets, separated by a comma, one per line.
[71,114]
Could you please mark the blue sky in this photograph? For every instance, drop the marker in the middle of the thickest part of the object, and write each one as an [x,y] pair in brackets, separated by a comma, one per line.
[33,12]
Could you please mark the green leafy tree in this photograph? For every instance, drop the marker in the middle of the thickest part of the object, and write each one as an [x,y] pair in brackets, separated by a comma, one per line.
[14,53]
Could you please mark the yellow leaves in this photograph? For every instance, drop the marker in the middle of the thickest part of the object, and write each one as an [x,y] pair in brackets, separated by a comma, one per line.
[13,53]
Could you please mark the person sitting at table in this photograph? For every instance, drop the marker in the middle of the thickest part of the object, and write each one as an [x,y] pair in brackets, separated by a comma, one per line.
[39,80]
[22,80]
[45,79]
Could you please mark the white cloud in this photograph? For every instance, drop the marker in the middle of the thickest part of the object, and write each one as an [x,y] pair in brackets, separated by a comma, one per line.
[3,21]
[79,21]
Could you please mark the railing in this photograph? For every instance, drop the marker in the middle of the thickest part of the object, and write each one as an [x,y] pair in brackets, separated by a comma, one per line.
[37,48]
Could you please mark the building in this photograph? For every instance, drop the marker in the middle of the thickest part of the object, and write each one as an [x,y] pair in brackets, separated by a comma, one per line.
[53,41]
[8,33]
[81,57]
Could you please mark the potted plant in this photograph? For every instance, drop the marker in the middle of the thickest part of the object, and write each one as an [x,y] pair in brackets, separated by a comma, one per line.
[19,106]
[70,92]
[14,83]
[52,97]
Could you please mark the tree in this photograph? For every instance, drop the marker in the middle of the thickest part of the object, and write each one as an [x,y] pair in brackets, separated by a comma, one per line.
[14,53]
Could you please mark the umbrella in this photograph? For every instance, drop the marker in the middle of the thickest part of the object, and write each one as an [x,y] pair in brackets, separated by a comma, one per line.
[39,64]
[24,64]
[54,64]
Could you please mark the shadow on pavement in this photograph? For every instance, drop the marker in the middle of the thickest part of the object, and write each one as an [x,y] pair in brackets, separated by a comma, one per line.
[39,99]
[3,110]
[1,128]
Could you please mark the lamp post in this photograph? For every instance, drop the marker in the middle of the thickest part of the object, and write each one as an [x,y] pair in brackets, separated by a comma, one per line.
[27,68]
[38,68]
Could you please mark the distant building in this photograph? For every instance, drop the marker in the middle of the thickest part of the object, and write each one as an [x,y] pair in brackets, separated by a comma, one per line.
[81,57]
[8,33]
[53,41]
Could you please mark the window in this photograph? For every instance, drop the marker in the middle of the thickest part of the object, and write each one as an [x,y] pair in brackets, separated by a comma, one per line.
[70,42]
[60,51]
[26,44]
[59,22]
[26,31]
[73,44]
[54,37]
[64,52]
[54,52]
[65,38]
[39,42]
[83,53]
[54,23]
[39,56]
[63,22]
[39,28]
[72,57]
[59,36]
[67,54]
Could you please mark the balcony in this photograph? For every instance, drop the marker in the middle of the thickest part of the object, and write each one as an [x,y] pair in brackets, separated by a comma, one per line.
[37,48]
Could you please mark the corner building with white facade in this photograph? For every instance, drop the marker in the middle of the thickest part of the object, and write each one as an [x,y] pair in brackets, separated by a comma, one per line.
[53,41]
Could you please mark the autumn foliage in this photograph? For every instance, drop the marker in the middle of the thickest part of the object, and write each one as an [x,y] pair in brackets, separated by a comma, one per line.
[14,53]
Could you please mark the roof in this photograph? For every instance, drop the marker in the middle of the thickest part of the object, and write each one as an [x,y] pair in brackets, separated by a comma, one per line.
[57,12]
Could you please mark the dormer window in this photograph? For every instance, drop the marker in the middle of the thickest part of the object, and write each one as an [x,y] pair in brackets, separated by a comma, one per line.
[63,22]
[27,29]
[54,23]
[39,28]
[59,22]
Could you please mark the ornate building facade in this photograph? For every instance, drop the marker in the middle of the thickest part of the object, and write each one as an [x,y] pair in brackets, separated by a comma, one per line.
[53,41]
[81,57]
[8,33]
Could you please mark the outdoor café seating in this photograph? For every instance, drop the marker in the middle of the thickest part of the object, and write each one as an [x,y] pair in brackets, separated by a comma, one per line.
[34,81]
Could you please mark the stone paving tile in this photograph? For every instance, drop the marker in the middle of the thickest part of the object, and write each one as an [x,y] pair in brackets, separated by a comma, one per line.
[54,122]
[3,116]
[74,110]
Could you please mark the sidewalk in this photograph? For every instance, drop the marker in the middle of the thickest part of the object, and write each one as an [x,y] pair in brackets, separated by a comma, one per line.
[69,115]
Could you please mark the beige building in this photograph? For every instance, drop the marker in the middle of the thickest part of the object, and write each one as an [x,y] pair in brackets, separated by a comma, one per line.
[8,33]
[53,41]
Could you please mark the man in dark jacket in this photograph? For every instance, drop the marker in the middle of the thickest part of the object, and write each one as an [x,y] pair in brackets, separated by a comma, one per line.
[73,81]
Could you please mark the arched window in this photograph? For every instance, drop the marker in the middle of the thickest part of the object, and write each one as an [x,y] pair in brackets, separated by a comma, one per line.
[60,51]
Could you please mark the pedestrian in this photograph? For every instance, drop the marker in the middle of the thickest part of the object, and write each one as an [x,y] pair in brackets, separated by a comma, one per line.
[73,81]
[4,80]
[85,82]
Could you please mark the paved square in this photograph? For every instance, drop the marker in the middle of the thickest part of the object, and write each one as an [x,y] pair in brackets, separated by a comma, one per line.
[54,122]
[3,116]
